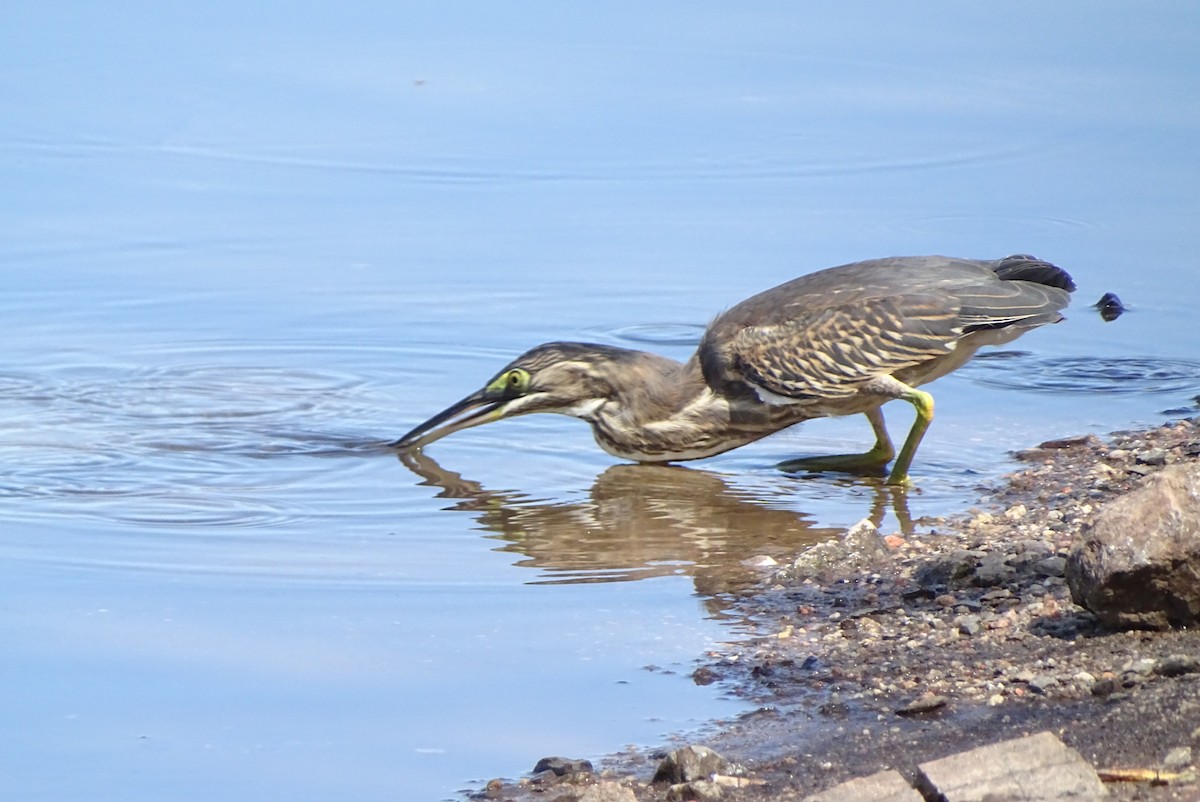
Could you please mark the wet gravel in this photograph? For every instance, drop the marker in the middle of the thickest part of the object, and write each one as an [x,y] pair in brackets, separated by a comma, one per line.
[887,649]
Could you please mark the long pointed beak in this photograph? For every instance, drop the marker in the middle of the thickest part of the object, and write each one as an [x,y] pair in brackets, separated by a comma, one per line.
[473,410]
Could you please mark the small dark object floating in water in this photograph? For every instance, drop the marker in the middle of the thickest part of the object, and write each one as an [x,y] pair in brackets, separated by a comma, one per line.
[1110,307]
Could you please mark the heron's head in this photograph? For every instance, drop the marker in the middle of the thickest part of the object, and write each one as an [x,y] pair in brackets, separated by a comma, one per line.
[568,378]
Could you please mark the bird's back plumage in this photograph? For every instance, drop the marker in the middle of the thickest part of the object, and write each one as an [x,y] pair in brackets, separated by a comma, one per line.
[826,335]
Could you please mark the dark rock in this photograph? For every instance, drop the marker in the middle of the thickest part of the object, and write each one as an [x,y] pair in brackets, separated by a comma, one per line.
[1080,441]
[544,779]
[1051,566]
[993,570]
[1138,564]
[1177,665]
[834,709]
[562,766]
[884,786]
[1036,767]
[692,763]
[938,573]
[704,676]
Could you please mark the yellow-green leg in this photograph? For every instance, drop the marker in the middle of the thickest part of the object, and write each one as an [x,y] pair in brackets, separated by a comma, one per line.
[923,402]
[880,454]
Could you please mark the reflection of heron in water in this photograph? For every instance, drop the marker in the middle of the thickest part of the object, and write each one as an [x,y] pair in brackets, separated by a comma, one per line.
[645,520]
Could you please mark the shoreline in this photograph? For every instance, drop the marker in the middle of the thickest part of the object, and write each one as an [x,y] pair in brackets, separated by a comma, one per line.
[882,650]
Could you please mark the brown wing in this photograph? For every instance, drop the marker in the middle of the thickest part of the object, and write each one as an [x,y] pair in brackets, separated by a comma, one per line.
[826,334]
[832,353]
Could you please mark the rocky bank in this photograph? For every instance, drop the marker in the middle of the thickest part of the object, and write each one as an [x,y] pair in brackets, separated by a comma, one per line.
[887,650]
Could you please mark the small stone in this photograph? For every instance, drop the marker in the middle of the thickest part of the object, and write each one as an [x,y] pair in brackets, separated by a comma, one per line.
[1105,686]
[969,625]
[608,791]
[883,786]
[1051,566]
[543,779]
[945,600]
[1042,683]
[1178,758]
[761,561]
[695,791]
[1016,512]
[1142,667]
[993,570]
[692,763]
[1078,441]
[923,704]
[1152,456]
[1177,665]
[860,548]
[562,766]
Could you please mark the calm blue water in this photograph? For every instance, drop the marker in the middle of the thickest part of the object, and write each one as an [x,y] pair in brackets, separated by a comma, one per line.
[240,247]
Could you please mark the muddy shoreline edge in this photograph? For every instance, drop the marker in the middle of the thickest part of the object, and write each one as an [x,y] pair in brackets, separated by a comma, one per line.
[892,649]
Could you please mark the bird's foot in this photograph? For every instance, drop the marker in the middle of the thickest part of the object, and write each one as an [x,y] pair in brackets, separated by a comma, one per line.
[871,463]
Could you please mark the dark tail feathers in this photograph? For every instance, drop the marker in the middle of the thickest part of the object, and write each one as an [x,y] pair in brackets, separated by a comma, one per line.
[1023,267]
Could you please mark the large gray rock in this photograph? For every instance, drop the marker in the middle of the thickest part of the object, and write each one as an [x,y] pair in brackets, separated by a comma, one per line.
[1036,768]
[1138,564]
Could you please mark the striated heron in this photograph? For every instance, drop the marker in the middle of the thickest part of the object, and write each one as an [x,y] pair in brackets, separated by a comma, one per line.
[839,341]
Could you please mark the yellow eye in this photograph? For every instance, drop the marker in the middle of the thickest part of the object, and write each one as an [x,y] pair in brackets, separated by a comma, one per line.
[510,383]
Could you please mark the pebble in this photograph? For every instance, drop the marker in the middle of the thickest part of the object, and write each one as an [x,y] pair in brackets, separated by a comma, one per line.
[1178,758]
[1052,566]
[922,704]
[1152,456]
[1177,664]
[1016,512]
[561,766]
[1043,682]
[1142,667]
[692,763]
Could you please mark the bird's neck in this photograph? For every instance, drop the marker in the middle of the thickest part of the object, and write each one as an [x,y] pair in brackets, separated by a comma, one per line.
[663,410]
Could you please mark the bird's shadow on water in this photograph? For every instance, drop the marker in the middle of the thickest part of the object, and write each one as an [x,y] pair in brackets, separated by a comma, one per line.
[641,521]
